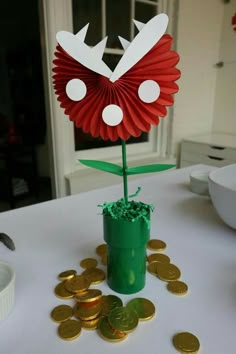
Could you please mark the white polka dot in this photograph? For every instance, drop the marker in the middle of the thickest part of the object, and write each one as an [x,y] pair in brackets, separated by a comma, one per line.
[112,115]
[149,91]
[76,89]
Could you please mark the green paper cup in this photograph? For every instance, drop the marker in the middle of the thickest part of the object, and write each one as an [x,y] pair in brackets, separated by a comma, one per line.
[126,253]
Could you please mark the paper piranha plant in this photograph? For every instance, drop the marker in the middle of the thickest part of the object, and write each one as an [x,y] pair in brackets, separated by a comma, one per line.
[117,105]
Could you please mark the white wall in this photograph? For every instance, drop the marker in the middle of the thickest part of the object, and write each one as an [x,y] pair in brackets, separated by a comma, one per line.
[199,34]
[225,96]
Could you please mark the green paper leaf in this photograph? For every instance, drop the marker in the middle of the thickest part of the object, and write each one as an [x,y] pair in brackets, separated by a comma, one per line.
[104,166]
[148,168]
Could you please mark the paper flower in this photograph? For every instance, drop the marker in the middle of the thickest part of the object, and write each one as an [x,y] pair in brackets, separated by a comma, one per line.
[127,101]
[234,22]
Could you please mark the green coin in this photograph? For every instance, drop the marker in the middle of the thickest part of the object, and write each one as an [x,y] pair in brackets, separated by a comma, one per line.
[109,302]
[108,333]
[123,319]
[144,308]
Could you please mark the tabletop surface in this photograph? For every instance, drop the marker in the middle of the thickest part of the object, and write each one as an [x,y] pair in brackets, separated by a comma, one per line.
[54,236]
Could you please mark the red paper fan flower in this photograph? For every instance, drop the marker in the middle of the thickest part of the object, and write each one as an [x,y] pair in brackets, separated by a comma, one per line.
[234,22]
[123,103]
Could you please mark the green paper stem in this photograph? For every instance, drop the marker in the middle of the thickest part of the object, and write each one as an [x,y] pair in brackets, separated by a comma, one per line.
[148,168]
[104,166]
[124,162]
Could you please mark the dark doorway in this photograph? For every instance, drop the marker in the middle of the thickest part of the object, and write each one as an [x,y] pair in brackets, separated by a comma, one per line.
[22,107]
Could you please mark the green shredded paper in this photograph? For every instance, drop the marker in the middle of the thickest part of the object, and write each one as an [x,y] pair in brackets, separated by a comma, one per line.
[130,211]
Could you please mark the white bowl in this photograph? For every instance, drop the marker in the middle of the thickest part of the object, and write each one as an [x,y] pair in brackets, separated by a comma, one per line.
[222,189]
[7,289]
[199,182]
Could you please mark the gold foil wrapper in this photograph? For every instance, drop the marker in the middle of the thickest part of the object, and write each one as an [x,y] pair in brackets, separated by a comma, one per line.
[156,245]
[61,292]
[62,313]
[88,263]
[158,257]
[67,274]
[167,271]
[186,342]
[177,287]
[69,330]
[77,283]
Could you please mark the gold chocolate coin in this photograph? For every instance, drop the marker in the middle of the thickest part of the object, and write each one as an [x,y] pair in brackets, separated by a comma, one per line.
[94,275]
[123,319]
[158,257]
[186,342]
[90,295]
[109,302]
[69,329]
[101,249]
[167,271]
[108,333]
[152,268]
[156,245]
[91,324]
[144,308]
[87,313]
[88,263]
[177,287]
[104,259]
[67,274]
[61,292]
[77,283]
[61,313]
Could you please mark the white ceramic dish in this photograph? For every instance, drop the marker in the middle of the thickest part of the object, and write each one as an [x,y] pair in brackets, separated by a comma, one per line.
[7,289]
[222,189]
[199,182]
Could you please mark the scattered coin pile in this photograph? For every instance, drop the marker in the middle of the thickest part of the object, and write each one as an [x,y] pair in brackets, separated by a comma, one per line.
[159,264]
[106,313]
[93,310]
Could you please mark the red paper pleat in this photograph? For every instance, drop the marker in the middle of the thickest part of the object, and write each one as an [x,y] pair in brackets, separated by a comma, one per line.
[158,65]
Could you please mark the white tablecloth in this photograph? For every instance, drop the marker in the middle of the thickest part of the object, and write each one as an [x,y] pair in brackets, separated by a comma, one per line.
[54,236]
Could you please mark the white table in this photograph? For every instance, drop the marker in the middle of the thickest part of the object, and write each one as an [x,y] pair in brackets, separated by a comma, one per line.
[54,236]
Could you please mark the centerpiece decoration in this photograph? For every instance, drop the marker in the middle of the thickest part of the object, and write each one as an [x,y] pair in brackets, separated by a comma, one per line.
[117,105]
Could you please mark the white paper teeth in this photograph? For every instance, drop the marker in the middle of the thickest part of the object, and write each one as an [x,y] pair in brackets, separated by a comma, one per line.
[139,24]
[100,47]
[149,34]
[82,33]
[124,42]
